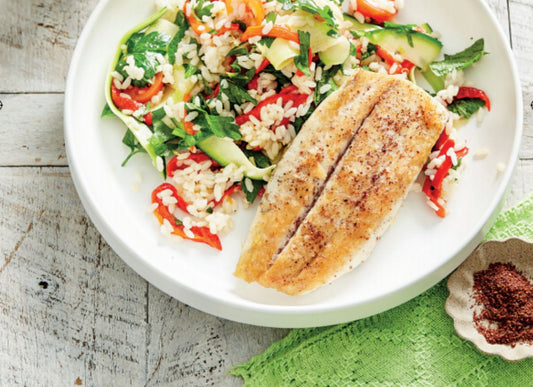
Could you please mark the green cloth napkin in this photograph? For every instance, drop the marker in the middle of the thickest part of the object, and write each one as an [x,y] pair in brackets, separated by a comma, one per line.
[413,344]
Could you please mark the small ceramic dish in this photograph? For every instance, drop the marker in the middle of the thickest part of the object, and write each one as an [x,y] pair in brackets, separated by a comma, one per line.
[460,303]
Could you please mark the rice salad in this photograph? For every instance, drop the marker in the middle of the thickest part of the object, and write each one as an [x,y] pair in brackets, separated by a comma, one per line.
[214,92]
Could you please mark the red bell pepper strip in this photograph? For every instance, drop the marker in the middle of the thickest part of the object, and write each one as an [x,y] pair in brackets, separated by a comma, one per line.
[182,204]
[277,31]
[262,66]
[148,118]
[122,102]
[403,67]
[201,234]
[472,92]
[126,103]
[175,163]
[145,94]
[286,95]
[442,139]
[369,8]
[254,83]
[234,188]
[433,187]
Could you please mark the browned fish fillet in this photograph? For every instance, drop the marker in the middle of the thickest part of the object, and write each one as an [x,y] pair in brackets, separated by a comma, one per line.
[337,228]
[299,179]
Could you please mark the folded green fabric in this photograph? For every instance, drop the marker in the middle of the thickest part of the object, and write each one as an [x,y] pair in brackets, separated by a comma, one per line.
[413,344]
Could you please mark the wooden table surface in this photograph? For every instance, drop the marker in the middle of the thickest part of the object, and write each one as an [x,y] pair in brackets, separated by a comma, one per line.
[71,312]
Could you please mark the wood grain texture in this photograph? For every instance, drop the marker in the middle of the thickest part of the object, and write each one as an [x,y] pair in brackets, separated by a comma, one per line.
[521,14]
[31,129]
[70,307]
[70,310]
[37,38]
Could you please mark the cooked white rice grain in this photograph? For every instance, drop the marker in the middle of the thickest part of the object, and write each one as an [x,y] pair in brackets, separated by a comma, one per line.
[481,153]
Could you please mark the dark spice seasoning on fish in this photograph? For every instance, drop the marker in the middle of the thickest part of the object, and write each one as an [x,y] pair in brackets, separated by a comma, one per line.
[506,296]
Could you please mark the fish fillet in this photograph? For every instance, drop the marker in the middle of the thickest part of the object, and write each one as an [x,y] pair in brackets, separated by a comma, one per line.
[299,179]
[339,223]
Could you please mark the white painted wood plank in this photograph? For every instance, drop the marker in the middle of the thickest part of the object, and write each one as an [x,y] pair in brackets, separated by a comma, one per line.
[521,16]
[188,347]
[499,7]
[31,129]
[522,183]
[69,307]
[37,39]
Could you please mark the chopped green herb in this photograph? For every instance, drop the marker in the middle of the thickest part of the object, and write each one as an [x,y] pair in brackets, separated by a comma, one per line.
[191,70]
[321,11]
[301,61]
[107,112]
[211,124]
[131,142]
[173,45]
[460,60]
[237,94]
[466,107]
[259,159]
[270,17]
[257,185]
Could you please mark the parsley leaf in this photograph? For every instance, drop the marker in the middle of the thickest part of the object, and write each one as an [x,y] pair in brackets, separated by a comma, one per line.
[326,79]
[267,41]
[301,61]
[370,50]
[107,112]
[270,17]
[460,60]
[309,6]
[131,142]
[239,77]
[220,126]
[239,50]
[236,94]
[257,185]
[259,158]
[466,107]
[182,22]
[190,70]
[202,9]
[144,48]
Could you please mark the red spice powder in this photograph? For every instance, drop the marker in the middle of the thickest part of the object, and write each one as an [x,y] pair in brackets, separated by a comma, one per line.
[507,300]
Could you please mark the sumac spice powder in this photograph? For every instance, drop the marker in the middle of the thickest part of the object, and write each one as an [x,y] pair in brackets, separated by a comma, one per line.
[506,298]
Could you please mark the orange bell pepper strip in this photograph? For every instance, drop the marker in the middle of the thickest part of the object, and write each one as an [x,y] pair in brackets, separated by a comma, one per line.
[200,234]
[196,25]
[277,31]
[232,27]
[369,8]
[254,6]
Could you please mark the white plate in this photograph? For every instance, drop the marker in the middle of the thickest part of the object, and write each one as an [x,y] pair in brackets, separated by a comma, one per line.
[418,250]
